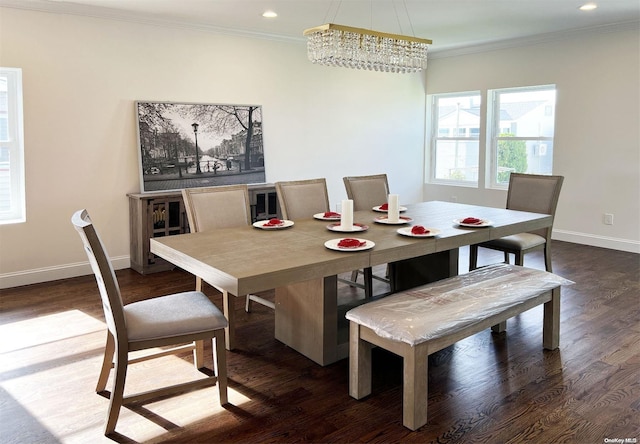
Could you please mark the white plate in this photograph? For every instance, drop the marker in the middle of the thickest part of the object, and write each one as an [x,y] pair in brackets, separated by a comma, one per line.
[356,227]
[380,210]
[333,245]
[406,231]
[484,223]
[321,216]
[261,224]
[385,220]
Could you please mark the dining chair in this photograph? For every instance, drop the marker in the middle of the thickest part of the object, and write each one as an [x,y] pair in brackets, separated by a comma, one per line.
[534,193]
[172,320]
[367,192]
[301,199]
[210,208]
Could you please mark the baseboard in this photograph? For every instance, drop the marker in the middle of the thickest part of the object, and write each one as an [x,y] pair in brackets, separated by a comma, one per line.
[46,274]
[597,241]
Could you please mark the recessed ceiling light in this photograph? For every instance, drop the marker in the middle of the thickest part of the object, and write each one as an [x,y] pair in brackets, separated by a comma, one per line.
[588,7]
[269,14]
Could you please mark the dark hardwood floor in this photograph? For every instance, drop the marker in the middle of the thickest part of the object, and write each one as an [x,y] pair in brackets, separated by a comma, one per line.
[489,388]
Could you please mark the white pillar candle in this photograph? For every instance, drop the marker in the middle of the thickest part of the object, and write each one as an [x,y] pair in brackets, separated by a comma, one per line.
[393,213]
[346,216]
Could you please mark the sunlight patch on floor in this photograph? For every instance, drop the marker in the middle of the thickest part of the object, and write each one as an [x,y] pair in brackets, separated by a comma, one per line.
[64,351]
[45,329]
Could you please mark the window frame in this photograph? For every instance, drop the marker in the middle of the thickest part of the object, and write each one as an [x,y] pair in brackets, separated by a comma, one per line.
[494,130]
[16,212]
[433,136]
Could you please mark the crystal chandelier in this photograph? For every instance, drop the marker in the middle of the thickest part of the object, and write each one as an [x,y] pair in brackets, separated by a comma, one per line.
[337,45]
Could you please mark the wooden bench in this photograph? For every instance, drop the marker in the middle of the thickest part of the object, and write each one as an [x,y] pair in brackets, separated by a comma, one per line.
[415,323]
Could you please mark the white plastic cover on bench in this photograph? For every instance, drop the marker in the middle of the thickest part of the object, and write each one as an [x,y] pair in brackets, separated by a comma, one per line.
[437,309]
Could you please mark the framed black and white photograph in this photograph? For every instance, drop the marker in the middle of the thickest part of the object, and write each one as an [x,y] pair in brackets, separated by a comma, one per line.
[186,145]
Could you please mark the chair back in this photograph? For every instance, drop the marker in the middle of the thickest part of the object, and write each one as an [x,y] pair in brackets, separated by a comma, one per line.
[209,208]
[367,191]
[103,271]
[301,199]
[535,193]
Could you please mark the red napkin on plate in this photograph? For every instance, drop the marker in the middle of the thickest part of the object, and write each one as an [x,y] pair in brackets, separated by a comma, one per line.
[384,206]
[350,243]
[419,229]
[331,214]
[273,222]
[471,221]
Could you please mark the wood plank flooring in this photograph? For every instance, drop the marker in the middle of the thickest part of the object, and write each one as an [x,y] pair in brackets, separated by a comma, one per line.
[489,388]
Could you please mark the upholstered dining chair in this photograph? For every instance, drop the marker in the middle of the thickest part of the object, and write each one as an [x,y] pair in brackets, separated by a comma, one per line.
[301,199]
[534,193]
[367,192]
[172,320]
[210,208]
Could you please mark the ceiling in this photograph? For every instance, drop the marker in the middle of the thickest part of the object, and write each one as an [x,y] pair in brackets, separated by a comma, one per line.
[450,24]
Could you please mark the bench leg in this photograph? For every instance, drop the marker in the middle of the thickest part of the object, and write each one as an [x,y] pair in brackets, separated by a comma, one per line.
[415,388]
[359,363]
[499,328]
[551,322]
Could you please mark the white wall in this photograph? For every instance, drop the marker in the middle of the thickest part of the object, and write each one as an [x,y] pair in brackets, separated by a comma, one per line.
[82,75]
[597,140]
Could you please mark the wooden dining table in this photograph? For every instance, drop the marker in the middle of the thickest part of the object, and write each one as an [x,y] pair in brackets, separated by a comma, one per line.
[295,262]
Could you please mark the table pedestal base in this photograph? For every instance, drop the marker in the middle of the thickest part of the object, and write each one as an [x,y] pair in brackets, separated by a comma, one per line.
[306,315]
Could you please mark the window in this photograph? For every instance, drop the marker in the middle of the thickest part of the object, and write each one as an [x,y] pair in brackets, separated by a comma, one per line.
[455,137]
[12,196]
[520,136]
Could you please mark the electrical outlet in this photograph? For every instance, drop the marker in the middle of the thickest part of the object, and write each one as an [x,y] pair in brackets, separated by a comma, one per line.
[608,219]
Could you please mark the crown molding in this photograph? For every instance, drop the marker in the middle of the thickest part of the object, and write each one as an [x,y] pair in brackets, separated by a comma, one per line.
[537,39]
[62,7]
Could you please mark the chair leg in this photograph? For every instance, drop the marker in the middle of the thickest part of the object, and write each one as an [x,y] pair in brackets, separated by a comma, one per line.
[117,392]
[247,304]
[520,258]
[107,362]
[368,282]
[547,258]
[198,284]
[473,257]
[220,365]
[354,275]
[198,354]
[506,257]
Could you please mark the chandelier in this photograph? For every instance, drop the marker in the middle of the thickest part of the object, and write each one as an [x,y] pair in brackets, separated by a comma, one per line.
[337,45]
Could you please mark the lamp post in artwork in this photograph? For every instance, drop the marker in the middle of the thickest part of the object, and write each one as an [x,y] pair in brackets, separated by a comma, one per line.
[195,132]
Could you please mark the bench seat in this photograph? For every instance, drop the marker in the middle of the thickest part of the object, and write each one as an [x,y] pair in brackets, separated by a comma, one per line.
[417,322]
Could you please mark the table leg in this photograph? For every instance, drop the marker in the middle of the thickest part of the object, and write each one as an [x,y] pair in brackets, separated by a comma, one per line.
[306,319]
[414,272]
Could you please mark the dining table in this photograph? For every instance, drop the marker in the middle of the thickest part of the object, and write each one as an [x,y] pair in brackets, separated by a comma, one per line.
[301,262]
